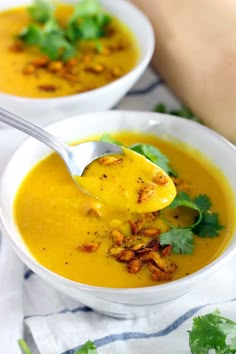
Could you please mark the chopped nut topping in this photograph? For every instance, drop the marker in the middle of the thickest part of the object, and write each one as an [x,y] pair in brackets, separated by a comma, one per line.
[40,62]
[29,69]
[134,266]
[88,247]
[117,237]
[150,232]
[47,88]
[125,256]
[145,193]
[160,179]
[110,160]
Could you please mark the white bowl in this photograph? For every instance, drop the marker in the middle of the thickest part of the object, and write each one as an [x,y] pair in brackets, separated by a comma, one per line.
[122,303]
[41,110]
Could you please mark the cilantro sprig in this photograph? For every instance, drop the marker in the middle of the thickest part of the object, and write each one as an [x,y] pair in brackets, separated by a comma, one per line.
[88,22]
[87,348]
[183,112]
[212,332]
[206,224]
[154,155]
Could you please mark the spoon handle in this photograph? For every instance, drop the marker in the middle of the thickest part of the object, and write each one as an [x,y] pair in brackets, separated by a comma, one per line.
[35,131]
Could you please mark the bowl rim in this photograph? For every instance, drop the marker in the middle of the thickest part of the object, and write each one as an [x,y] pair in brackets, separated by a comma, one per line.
[46,273]
[144,59]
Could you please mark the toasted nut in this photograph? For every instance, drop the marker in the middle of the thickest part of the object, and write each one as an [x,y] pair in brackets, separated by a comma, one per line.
[69,76]
[163,263]
[117,237]
[150,232]
[115,251]
[88,247]
[40,61]
[55,66]
[138,246]
[71,62]
[145,193]
[125,256]
[47,88]
[116,71]
[133,227]
[134,266]
[160,179]
[166,251]
[17,47]
[110,160]
[96,69]
[181,185]
[159,275]
[29,69]
[154,244]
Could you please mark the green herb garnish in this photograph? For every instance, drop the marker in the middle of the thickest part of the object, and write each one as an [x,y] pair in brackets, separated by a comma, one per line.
[206,224]
[212,332]
[88,22]
[87,348]
[181,240]
[183,112]
[154,155]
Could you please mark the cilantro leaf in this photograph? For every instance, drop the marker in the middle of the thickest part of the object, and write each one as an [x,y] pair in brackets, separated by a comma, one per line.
[31,35]
[154,155]
[183,199]
[87,22]
[183,112]
[86,8]
[88,348]
[181,240]
[41,11]
[212,331]
[203,202]
[209,225]
[108,139]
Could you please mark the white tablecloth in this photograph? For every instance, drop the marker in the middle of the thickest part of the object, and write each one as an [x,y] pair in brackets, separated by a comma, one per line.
[53,323]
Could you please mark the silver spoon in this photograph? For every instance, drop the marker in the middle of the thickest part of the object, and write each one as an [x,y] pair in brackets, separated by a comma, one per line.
[76,157]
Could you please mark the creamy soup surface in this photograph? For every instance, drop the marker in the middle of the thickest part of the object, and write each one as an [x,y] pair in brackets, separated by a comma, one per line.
[82,239]
[26,72]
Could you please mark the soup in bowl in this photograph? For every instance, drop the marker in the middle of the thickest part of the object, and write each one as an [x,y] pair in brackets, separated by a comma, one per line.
[117,261]
[63,59]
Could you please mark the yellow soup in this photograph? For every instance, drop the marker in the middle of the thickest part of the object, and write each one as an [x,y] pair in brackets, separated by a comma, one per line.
[82,239]
[26,72]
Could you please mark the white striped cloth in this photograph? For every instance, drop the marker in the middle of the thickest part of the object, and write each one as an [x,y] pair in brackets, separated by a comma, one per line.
[53,323]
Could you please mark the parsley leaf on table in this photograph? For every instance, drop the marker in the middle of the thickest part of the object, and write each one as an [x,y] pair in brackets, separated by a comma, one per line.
[181,240]
[183,112]
[88,348]
[212,331]
[154,155]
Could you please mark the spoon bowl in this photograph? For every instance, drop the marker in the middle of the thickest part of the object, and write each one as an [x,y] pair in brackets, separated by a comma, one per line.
[75,157]
[154,195]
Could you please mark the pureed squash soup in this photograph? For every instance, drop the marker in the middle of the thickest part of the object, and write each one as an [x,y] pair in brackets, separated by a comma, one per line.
[80,238]
[37,61]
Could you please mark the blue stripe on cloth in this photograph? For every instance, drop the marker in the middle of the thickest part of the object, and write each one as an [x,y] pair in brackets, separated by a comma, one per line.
[28,274]
[141,335]
[77,309]
[145,90]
